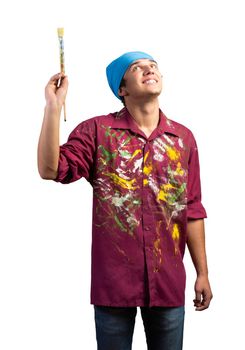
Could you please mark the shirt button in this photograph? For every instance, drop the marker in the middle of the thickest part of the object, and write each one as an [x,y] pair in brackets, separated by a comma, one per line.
[147,228]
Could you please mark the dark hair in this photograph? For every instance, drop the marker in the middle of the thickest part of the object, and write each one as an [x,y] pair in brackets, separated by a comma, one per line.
[122,84]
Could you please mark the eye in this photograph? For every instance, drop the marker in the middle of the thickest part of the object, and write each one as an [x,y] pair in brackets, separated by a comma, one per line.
[154,65]
[135,68]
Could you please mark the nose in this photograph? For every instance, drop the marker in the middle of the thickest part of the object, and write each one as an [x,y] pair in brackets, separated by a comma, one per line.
[148,70]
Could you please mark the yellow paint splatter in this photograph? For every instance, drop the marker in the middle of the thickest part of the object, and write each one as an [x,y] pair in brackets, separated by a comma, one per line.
[172,153]
[146,156]
[179,169]
[137,151]
[157,244]
[176,236]
[157,248]
[103,161]
[175,232]
[128,184]
[162,196]
[147,168]
[145,182]
[163,193]
[158,251]
[167,186]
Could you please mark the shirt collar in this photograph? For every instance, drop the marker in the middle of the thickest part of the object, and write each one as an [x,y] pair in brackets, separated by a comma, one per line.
[123,120]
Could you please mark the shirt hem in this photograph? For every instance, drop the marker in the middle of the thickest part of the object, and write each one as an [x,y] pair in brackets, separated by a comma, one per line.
[139,303]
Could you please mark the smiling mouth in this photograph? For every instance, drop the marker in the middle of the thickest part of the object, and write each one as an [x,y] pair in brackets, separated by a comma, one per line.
[150,82]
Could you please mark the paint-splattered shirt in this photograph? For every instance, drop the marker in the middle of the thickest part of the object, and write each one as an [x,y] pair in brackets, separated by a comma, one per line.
[144,191]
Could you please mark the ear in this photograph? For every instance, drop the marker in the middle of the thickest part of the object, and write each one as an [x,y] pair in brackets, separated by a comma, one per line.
[122,91]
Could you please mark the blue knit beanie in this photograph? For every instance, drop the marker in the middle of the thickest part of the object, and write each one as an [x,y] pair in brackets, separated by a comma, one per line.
[117,68]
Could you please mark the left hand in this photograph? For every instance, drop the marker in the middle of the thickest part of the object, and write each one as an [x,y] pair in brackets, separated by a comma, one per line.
[203,293]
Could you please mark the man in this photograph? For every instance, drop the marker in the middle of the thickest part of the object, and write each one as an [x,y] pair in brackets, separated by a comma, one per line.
[144,171]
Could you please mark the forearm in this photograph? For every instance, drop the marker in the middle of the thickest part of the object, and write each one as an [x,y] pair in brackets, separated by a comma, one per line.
[196,245]
[48,145]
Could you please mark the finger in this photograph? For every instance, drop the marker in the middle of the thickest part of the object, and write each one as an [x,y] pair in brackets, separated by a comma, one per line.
[63,81]
[59,86]
[197,302]
[198,295]
[55,80]
[204,304]
[56,77]
[198,299]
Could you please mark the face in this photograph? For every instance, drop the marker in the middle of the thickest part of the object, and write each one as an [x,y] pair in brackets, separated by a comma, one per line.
[142,79]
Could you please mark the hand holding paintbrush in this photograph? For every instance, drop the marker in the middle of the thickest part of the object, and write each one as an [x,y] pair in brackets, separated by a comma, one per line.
[62,58]
[56,90]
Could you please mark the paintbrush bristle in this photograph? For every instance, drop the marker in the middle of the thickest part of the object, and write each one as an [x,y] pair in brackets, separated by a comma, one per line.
[60,32]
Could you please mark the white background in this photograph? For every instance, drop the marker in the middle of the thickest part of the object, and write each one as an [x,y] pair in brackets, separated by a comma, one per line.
[46,227]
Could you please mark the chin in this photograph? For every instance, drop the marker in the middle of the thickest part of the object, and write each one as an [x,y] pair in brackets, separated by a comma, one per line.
[155,93]
[155,90]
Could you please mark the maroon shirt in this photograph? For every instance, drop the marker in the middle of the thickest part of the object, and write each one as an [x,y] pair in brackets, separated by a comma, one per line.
[144,191]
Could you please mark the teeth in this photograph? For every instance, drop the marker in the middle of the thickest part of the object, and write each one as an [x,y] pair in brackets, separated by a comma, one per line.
[151,81]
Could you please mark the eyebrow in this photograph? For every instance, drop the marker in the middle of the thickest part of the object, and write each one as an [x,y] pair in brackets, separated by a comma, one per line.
[137,62]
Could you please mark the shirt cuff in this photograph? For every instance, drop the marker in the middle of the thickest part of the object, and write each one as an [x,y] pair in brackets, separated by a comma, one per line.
[63,171]
[196,211]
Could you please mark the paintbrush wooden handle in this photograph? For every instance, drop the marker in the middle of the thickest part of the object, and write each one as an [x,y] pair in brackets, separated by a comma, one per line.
[64,107]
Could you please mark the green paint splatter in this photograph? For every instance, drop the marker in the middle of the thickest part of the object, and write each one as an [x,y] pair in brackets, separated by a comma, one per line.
[173,198]
[108,155]
[126,141]
[125,154]
[121,135]
[122,227]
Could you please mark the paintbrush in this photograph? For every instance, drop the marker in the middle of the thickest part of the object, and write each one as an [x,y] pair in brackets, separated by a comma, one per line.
[62,58]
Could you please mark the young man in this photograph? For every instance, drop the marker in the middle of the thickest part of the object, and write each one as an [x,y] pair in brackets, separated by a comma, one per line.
[144,171]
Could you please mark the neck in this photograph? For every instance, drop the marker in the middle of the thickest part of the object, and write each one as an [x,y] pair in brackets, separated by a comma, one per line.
[146,115]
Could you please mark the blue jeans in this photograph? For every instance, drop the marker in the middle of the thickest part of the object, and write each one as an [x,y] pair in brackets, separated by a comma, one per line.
[163,327]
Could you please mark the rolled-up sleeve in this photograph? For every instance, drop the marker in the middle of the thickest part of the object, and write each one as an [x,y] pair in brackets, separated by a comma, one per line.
[77,154]
[195,209]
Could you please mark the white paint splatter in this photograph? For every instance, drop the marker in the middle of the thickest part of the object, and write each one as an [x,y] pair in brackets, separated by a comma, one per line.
[132,221]
[152,184]
[119,201]
[168,139]
[142,140]
[121,173]
[158,156]
[138,165]
[158,143]
[180,143]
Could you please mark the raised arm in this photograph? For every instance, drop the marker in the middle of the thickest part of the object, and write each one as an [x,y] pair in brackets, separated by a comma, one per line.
[48,145]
